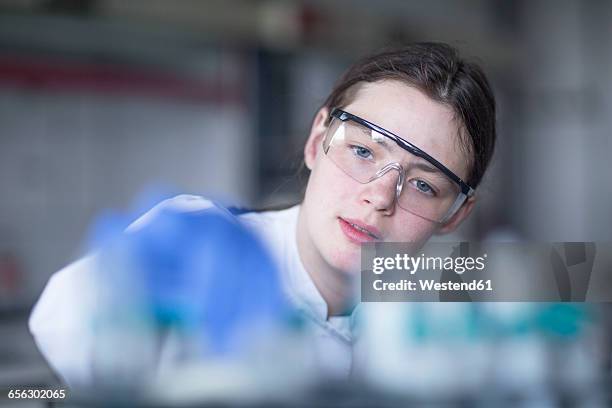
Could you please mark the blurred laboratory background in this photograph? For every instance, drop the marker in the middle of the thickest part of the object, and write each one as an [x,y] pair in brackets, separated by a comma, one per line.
[104,101]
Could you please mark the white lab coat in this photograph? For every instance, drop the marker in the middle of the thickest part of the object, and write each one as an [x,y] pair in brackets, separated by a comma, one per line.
[60,317]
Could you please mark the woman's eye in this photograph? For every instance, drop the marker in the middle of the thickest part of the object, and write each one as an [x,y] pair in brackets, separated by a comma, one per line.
[362,152]
[423,187]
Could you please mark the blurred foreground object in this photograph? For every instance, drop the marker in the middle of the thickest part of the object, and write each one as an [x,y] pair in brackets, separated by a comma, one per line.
[191,308]
[497,353]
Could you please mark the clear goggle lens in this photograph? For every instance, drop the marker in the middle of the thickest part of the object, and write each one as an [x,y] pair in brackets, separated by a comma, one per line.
[365,155]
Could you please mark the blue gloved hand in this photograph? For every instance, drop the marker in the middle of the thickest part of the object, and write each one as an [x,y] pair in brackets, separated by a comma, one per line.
[200,272]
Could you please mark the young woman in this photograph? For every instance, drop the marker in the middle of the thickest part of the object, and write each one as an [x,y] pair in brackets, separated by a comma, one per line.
[395,154]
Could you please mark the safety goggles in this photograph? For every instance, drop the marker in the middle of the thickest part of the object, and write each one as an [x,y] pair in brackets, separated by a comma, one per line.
[365,152]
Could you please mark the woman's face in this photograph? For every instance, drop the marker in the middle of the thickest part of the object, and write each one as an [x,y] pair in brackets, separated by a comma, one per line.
[334,202]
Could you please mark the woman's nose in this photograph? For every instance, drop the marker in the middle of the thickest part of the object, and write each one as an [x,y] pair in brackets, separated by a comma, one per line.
[381,192]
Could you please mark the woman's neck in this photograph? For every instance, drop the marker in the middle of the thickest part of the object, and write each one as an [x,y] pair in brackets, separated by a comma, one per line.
[334,285]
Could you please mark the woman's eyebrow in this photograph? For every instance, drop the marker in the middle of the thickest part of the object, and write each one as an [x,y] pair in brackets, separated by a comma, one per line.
[376,136]
[427,167]
[380,139]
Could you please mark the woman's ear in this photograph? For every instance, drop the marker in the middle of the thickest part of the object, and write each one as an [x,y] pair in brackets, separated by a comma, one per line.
[462,213]
[315,139]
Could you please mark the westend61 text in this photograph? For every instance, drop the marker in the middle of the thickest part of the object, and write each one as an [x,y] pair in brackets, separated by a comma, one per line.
[432,285]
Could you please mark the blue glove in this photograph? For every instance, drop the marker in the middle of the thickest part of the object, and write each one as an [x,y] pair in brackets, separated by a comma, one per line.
[199,272]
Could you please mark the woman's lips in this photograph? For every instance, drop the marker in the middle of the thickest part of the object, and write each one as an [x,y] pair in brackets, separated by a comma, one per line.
[357,231]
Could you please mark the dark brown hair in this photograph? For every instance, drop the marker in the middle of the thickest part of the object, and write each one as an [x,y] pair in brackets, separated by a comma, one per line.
[437,70]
